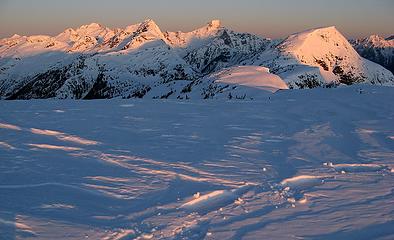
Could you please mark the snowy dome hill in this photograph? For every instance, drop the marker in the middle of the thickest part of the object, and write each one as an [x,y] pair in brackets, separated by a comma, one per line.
[142,61]
[251,76]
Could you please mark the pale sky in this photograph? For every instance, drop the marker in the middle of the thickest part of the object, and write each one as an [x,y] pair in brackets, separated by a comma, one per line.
[268,18]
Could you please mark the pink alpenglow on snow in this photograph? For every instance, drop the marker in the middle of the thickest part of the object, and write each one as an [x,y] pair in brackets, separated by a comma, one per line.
[252,76]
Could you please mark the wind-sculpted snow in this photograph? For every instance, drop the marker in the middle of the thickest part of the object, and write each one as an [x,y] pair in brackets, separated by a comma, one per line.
[9,126]
[303,182]
[318,162]
[344,168]
[214,200]
[63,137]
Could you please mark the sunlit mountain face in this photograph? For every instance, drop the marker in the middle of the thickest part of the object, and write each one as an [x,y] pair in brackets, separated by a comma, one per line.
[141,61]
[377,49]
[236,129]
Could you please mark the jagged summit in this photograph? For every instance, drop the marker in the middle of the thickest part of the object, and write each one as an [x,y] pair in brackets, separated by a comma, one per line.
[215,23]
[377,49]
[181,39]
[92,29]
[149,24]
[91,26]
[149,21]
[376,41]
[147,31]
[94,61]
[375,37]
[150,27]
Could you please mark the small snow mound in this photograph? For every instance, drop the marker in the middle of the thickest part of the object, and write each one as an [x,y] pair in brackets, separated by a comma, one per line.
[303,182]
[344,168]
[210,198]
[215,199]
[251,76]
[10,126]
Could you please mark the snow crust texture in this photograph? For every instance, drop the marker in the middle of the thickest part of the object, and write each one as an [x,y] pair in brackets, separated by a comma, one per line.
[302,164]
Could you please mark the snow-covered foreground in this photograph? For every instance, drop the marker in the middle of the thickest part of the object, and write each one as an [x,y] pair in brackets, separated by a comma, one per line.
[306,164]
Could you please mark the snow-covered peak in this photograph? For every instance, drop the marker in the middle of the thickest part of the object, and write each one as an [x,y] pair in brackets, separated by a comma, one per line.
[134,36]
[15,36]
[210,28]
[311,39]
[312,46]
[85,38]
[93,29]
[377,49]
[68,36]
[91,26]
[150,26]
[38,38]
[130,28]
[376,41]
[215,24]
[93,61]
[322,56]
[145,32]
[375,38]
[12,39]
[182,39]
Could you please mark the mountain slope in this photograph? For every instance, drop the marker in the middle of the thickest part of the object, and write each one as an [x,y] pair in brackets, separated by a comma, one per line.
[320,57]
[91,62]
[140,60]
[377,49]
[196,38]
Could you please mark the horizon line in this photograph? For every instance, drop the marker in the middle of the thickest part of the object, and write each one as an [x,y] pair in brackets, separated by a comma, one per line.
[188,31]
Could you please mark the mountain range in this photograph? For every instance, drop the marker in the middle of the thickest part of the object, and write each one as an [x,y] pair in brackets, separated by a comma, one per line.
[377,49]
[141,61]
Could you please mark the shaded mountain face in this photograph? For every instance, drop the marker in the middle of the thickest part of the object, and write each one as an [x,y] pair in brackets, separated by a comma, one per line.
[377,49]
[140,61]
